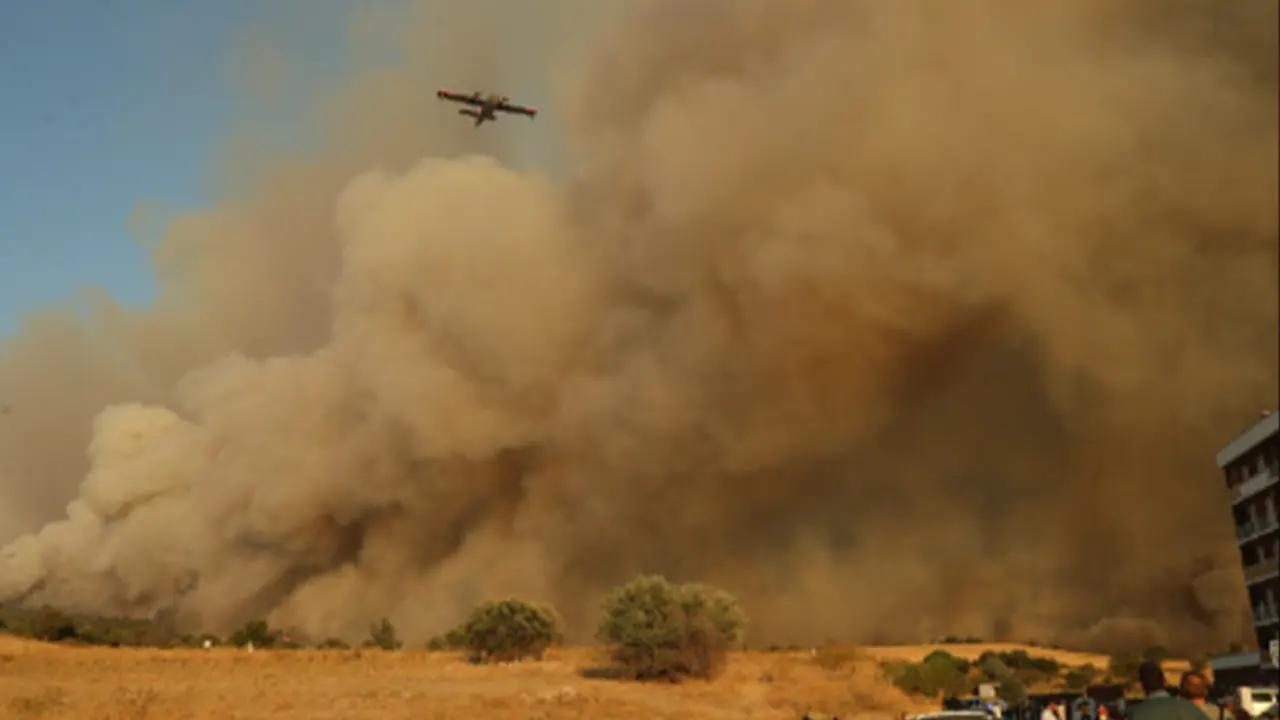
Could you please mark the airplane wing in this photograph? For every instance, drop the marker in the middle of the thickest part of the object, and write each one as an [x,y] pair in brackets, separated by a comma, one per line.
[508,107]
[459,97]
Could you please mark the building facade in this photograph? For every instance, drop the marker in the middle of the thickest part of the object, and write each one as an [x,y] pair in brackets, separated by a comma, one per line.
[1251,467]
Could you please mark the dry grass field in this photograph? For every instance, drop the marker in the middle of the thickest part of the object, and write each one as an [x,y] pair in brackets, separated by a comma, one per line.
[47,681]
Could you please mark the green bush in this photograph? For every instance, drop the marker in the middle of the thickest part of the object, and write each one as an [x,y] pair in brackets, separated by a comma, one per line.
[52,625]
[945,658]
[1123,667]
[382,634]
[104,636]
[992,667]
[1079,678]
[996,665]
[255,632]
[1012,691]
[452,640]
[1020,660]
[662,630]
[939,672]
[506,630]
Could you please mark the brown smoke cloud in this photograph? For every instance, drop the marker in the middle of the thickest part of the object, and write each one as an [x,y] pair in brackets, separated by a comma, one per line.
[895,319]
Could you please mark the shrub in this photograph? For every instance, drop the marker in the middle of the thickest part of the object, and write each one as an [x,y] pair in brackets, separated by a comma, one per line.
[1079,678]
[333,644]
[383,635]
[939,672]
[662,630]
[993,667]
[1020,660]
[53,625]
[506,630]
[255,632]
[1012,691]
[1124,667]
[943,657]
[449,641]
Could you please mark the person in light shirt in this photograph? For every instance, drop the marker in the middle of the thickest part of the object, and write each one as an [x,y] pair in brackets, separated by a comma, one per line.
[1195,687]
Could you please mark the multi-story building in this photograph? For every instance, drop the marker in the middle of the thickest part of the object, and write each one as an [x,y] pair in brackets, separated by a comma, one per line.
[1251,465]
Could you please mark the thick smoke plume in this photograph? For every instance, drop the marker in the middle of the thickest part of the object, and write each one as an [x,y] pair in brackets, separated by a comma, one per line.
[896,319]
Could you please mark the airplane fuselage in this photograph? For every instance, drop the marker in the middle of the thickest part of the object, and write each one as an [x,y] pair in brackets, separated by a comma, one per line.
[485,111]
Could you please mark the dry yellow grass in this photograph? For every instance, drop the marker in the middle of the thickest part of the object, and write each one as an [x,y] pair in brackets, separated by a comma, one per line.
[47,681]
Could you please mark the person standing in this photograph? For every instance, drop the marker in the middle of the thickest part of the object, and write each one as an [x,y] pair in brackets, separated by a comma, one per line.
[1195,687]
[1159,704]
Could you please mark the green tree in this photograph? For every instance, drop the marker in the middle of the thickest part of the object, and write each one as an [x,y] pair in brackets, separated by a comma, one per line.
[662,630]
[52,625]
[942,656]
[382,634]
[1012,691]
[1079,678]
[992,667]
[506,630]
[939,672]
[256,632]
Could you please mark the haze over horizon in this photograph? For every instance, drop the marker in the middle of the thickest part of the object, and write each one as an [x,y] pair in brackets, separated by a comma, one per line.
[855,300]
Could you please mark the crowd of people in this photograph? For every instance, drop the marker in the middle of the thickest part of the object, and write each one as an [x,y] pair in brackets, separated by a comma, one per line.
[1189,701]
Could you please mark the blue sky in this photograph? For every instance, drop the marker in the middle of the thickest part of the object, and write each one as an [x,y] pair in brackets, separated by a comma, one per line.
[106,103]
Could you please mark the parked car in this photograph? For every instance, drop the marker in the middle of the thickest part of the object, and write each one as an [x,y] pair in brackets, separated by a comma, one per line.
[953,715]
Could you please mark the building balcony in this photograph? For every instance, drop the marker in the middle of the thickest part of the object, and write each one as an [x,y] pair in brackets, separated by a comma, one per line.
[1267,569]
[1262,570]
[1256,484]
[1264,616]
[1249,531]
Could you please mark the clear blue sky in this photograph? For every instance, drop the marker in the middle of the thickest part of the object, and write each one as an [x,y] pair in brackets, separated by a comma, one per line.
[104,103]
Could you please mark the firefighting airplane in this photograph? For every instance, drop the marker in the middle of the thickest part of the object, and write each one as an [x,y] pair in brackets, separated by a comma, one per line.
[487,105]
